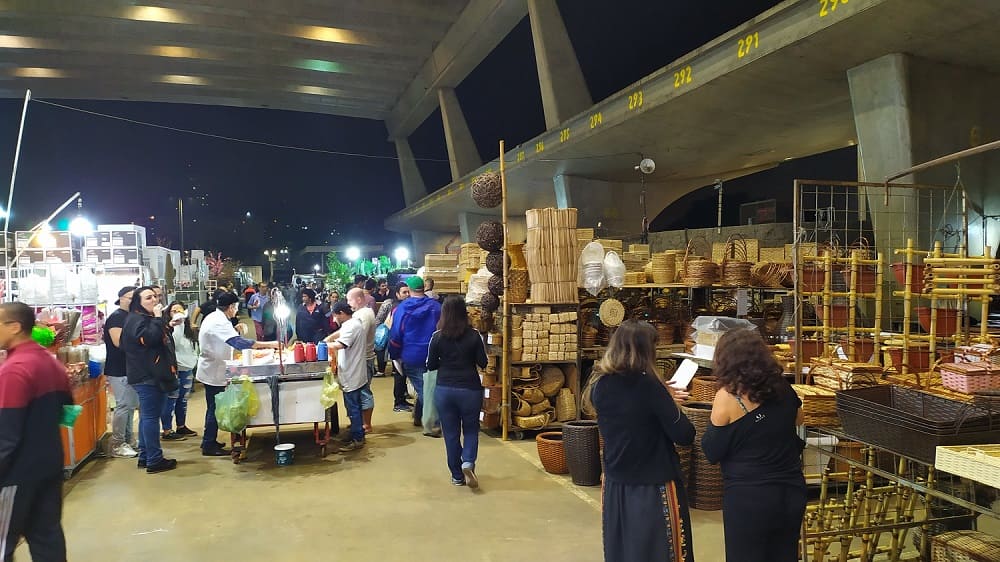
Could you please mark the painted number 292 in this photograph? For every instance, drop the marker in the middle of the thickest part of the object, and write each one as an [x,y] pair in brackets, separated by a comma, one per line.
[682,76]
[748,43]
[826,7]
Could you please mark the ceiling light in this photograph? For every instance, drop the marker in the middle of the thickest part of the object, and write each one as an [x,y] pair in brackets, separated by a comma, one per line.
[18,42]
[320,65]
[38,72]
[155,13]
[183,79]
[327,34]
[177,52]
[316,91]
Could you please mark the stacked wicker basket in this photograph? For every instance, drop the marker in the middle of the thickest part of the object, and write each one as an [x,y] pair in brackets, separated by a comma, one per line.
[552,256]
[705,479]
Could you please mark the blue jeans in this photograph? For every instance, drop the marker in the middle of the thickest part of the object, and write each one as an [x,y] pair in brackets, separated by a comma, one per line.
[458,409]
[416,375]
[177,403]
[352,402]
[208,440]
[151,400]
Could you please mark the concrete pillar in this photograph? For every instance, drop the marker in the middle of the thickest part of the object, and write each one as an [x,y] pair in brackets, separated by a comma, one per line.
[429,242]
[462,152]
[564,91]
[413,183]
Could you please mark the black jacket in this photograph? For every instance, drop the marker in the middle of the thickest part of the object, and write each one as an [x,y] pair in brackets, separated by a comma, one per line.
[456,359]
[149,352]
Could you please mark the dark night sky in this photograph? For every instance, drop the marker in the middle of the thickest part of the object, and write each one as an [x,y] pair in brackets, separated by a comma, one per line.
[129,172]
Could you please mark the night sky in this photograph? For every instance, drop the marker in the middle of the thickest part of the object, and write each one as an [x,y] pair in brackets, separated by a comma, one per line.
[132,173]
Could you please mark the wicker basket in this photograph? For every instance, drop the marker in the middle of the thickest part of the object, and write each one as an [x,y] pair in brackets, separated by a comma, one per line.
[583,456]
[551,452]
[706,479]
[518,282]
[541,408]
[490,302]
[565,405]
[703,388]
[518,406]
[964,546]
[553,379]
[819,405]
[494,263]
[495,285]
[489,236]
[487,190]
[975,462]
[490,379]
[533,422]
[531,394]
[612,312]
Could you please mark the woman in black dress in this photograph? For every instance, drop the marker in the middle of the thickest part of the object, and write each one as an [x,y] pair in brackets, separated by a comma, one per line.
[752,433]
[645,516]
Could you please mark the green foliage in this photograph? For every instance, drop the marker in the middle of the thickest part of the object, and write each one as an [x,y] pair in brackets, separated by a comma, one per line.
[339,274]
[384,265]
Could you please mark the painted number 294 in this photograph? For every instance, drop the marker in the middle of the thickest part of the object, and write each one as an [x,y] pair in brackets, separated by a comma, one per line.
[748,43]
[826,7]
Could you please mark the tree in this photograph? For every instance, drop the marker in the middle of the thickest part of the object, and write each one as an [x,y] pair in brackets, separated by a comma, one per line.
[221,268]
[339,274]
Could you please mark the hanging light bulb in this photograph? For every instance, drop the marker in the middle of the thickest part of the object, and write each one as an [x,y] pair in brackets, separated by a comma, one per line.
[80,226]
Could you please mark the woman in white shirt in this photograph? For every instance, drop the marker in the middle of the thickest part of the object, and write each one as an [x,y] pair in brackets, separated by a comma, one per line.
[217,338]
[186,348]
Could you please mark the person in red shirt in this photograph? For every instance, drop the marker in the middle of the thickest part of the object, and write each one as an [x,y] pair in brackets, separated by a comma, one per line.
[33,390]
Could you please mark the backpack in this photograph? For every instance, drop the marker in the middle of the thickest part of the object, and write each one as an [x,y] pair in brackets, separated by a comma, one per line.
[381,337]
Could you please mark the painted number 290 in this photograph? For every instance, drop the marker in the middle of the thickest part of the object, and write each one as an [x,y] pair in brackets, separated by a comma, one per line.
[826,7]
[748,43]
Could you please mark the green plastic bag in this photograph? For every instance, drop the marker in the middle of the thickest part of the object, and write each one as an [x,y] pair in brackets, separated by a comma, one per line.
[328,397]
[232,408]
[69,415]
[253,401]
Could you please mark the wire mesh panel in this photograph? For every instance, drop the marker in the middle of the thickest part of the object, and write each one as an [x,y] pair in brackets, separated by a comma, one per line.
[864,291]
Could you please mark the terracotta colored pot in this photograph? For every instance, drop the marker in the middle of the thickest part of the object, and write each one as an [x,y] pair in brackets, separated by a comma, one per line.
[839,314]
[813,279]
[807,348]
[866,279]
[947,320]
[917,280]
[863,349]
[919,358]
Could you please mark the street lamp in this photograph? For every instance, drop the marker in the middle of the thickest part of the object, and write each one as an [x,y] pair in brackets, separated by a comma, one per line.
[353,254]
[272,255]
[316,269]
[401,254]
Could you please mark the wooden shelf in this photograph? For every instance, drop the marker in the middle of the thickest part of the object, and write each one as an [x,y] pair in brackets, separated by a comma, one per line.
[541,362]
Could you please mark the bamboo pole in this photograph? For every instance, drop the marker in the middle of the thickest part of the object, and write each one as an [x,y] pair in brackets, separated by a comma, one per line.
[962,261]
[505,420]
[879,277]
[852,302]
[827,299]
[907,302]
[934,310]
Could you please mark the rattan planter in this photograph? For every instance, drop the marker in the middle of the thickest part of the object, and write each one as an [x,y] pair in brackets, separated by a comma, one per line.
[551,452]
[583,456]
[487,190]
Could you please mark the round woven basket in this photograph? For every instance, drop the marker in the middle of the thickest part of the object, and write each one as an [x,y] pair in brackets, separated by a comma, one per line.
[490,302]
[517,285]
[565,405]
[532,394]
[736,273]
[703,388]
[494,263]
[532,422]
[495,285]
[540,408]
[553,379]
[551,452]
[699,273]
[612,312]
[489,236]
[705,490]
[518,407]
[583,453]
[487,191]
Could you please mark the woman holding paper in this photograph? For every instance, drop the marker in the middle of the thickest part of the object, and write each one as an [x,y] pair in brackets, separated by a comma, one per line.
[645,514]
[752,433]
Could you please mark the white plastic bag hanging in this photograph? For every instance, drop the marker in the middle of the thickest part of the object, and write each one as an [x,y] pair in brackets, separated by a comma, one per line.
[592,268]
[614,269]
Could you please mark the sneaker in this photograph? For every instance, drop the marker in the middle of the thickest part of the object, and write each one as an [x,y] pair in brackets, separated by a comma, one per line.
[172,436]
[469,470]
[217,452]
[436,433]
[124,451]
[141,463]
[162,466]
[352,446]
[457,482]
[402,408]
[185,431]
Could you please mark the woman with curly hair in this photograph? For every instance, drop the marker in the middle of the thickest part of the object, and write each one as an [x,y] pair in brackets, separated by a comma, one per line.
[645,515]
[752,433]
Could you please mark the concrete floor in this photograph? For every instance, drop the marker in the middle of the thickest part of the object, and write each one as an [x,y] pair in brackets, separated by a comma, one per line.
[391,501]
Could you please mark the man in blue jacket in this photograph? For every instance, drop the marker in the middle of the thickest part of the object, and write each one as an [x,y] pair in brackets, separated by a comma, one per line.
[413,324]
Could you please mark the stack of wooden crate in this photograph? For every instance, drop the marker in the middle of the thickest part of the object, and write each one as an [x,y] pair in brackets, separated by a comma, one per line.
[444,270]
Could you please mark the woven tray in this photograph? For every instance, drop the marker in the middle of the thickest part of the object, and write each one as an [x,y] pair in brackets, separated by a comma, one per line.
[819,405]
[977,462]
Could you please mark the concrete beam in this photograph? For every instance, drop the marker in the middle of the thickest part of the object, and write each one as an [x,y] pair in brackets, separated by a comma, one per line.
[564,91]
[479,29]
[462,152]
[413,183]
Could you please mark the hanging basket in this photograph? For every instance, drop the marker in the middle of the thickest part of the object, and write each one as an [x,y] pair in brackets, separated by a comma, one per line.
[517,281]
[495,285]
[490,302]
[489,236]
[487,190]
[494,263]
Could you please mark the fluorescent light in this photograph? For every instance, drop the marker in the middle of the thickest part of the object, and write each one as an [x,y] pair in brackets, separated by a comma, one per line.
[38,72]
[155,13]
[327,34]
[316,91]
[177,52]
[18,42]
[183,79]
[320,65]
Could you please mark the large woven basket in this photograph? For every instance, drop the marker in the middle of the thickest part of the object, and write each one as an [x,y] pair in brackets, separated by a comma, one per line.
[703,388]
[565,405]
[518,282]
[706,479]
[551,452]
[819,405]
[537,421]
[531,394]
[583,457]
[519,406]
[553,378]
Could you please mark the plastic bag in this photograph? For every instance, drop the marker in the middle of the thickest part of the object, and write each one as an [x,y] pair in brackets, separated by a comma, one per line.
[69,415]
[592,268]
[253,401]
[381,337]
[328,396]
[614,269]
[232,408]
[430,414]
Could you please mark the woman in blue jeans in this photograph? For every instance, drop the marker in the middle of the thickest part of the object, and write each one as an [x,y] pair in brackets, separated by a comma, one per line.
[186,349]
[455,350]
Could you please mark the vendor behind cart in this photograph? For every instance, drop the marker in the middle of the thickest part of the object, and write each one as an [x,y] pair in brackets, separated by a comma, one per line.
[216,338]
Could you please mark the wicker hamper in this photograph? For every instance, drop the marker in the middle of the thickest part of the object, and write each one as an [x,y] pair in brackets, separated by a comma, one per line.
[583,457]
[965,546]
[551,452]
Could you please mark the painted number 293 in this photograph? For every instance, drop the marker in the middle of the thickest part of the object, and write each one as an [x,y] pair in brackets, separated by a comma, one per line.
[749,43]
[826,7]
[635,100]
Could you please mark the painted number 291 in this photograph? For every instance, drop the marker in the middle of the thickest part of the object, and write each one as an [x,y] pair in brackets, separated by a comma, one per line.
[826,7]
[748,43]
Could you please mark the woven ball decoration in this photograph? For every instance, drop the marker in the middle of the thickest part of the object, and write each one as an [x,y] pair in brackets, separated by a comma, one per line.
[487,190]
[494,263]
[612,312]
[490,236]
[495,285]
[490,302]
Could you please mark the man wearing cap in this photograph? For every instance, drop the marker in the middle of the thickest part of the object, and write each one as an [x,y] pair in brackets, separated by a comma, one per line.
[414,322]
[126,399]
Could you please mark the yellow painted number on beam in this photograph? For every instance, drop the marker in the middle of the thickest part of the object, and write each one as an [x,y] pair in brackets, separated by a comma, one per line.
[539,147]
[520,156]
[682,76]
[564,135]
[827,7]
[596,120]
[749,43]
[635,100]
